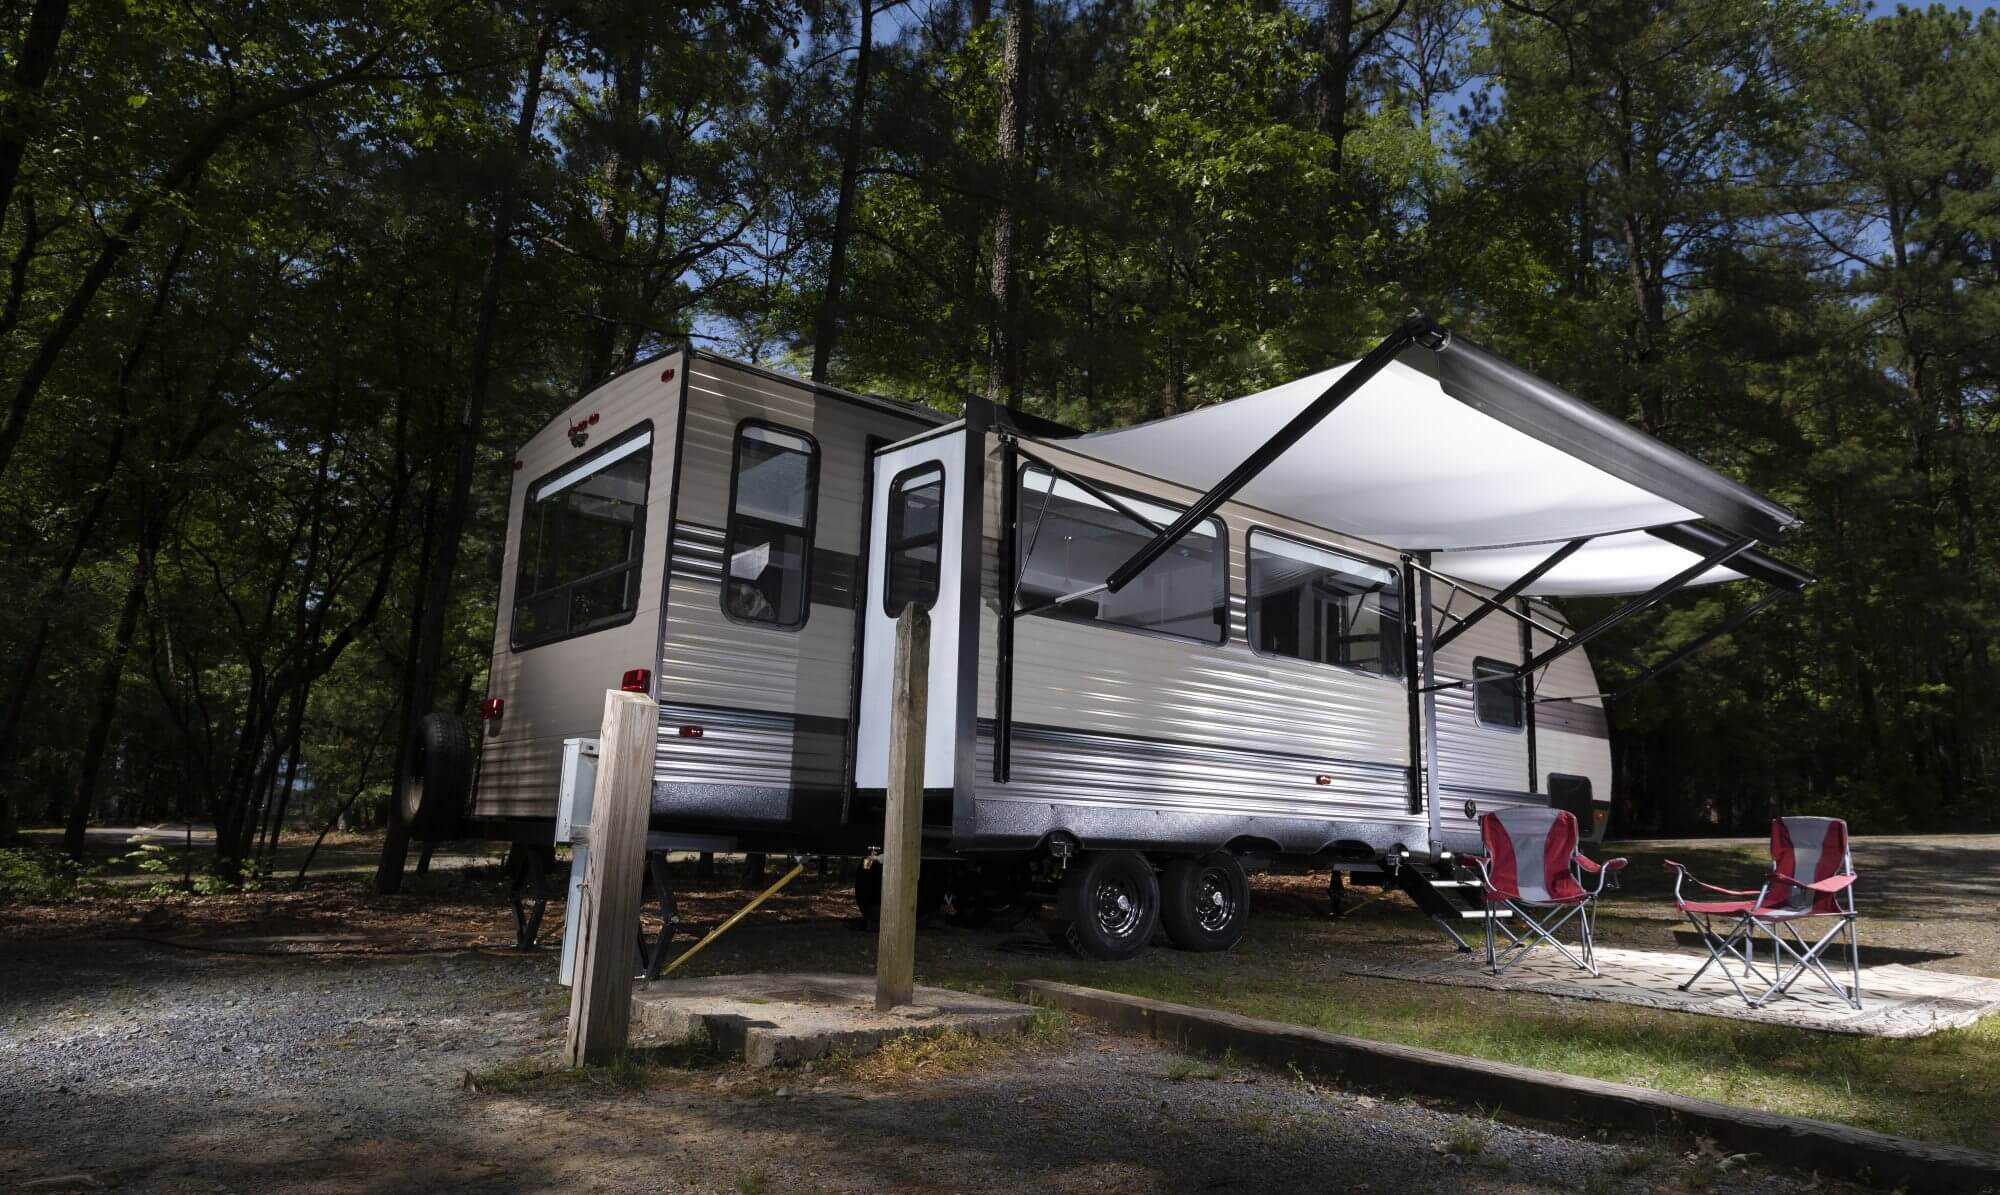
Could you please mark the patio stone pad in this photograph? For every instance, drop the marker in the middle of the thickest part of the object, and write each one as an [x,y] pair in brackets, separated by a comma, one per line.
[1897,1001]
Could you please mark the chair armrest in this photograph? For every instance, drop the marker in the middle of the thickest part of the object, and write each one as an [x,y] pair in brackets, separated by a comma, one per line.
[1606,872]
[1682,873]
[1829,884]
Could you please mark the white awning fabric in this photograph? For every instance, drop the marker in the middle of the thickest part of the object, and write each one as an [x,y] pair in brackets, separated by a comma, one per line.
[1406,463]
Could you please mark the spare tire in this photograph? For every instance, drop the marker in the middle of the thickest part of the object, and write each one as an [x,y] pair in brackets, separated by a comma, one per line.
[430,797]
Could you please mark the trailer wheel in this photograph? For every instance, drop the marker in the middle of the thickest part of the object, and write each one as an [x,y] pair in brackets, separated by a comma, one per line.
[431,795]
[1108,907]
[1205,902]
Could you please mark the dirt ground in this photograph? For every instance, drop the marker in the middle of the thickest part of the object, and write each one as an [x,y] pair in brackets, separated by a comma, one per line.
[327,1040]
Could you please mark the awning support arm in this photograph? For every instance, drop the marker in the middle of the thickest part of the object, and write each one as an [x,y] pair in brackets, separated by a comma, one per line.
[1089,487]
[1416,328]
[1555,633]
[1643,602]
[1500,600]
[1684,652]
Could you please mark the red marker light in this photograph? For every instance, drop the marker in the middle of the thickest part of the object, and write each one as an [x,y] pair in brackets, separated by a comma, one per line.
[1322,779]
[666,375]
[690,732]
[491,709]
[637,680]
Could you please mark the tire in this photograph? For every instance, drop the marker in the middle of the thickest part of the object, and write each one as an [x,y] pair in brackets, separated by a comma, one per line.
[1205,902]
[1108,907]
[431,795]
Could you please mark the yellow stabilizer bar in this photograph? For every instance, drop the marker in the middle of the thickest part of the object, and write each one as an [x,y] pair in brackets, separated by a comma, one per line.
[738,915]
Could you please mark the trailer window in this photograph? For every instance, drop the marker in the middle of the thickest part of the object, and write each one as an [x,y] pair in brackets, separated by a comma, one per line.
[1498,704]
[1070,542]
[583,530]
[1309,603]
[916,536]
[769,546]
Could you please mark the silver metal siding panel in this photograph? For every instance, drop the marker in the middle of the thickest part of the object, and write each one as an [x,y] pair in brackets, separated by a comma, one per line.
[705,659]
[1587,755]
[556,690]
[1247,734]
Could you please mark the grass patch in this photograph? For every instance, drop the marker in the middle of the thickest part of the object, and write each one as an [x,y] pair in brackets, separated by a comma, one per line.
[1183,1068]
[1468,1138]
[953,1051]
[1938,1088]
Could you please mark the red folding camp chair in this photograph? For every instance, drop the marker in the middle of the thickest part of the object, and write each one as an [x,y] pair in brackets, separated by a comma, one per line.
[1530,869]
[1812,876]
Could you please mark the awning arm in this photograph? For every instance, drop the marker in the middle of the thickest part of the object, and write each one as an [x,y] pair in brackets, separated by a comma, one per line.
[1457,587]
[1089,487]
[1685,651]
[1417,329]
[1756,563]
[1499,600]
[1645,601]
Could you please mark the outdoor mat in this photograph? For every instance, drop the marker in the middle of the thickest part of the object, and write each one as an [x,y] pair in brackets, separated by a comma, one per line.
[1897,1001]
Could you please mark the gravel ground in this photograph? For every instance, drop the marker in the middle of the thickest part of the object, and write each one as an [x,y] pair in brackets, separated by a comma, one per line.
[134,1066]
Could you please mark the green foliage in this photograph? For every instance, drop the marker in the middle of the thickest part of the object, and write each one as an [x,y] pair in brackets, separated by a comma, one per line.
[243,261]
[38,874]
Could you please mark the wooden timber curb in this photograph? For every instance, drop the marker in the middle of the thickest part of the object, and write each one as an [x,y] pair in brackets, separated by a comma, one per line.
[1831,1149]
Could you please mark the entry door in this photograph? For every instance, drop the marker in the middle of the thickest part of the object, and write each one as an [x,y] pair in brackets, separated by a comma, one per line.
[915,544]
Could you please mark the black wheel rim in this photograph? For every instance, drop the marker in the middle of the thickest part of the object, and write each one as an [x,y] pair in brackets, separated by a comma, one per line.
[1214,900]
[1118,906]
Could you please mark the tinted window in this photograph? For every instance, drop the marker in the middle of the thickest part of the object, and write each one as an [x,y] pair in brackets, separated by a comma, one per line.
[916,537]
[1308,603]
[582,533]
[769,544]
[1499,704]
[1070,541]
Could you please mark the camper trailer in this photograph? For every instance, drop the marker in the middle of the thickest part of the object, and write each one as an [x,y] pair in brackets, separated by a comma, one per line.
[1309,627]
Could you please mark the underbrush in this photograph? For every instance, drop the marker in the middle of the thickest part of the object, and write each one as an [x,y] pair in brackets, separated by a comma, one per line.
[42,874]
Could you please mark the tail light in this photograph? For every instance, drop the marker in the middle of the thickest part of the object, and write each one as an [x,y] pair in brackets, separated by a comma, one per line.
[637,680]
[491,709]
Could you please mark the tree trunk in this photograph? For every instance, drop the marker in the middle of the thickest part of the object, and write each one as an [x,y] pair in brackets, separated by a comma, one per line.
[175,179]
[1002,375]
[1335,63]
[109,676]
[428,650]
[37,56]
[614,219]
[828,328]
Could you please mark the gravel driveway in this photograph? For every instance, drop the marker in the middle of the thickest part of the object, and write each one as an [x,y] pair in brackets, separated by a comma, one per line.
[134,1066]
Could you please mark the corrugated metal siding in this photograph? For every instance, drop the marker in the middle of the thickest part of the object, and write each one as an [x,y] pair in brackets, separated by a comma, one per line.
[707,660]
[1472,757]
[1574,741]
[556,691]
[1243,734]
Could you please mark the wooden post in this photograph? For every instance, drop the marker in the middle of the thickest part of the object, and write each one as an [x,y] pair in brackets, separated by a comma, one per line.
[903,822]
[600,999]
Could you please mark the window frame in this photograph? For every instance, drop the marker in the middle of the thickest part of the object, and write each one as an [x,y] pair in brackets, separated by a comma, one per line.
[1062,613]
[810,528]
[1519,689]
[514,644]
[1250,604]
[896,485]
